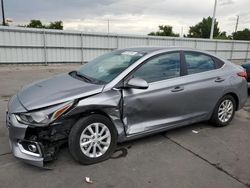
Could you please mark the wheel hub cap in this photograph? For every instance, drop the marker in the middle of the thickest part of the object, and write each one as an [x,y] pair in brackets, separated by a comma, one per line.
[225,111]
[95,140]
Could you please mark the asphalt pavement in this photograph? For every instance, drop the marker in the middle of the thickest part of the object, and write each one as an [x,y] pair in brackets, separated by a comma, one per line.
[198,155]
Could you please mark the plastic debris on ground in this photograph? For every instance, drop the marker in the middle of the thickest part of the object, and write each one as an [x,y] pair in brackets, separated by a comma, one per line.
[88,180]
[194,131]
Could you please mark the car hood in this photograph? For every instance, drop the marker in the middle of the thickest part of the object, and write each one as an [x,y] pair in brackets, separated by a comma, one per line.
[55,90]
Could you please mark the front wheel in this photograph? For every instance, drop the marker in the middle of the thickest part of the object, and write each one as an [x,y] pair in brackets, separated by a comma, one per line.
[92,139]
[224,111]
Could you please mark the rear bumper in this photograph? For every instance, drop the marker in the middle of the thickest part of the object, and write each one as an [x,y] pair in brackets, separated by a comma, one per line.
[28,151]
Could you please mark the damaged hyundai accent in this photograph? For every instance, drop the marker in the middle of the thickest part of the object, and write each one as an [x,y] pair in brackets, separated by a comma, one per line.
[119,96]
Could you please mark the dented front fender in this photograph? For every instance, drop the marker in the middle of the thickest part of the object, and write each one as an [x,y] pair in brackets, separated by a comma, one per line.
[108,103]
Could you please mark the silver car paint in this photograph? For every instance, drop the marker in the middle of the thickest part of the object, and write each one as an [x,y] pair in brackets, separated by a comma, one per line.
[134,112]
[17,132]
[14,105]
[55,90]
[138,104]
[109,103]
[171,108]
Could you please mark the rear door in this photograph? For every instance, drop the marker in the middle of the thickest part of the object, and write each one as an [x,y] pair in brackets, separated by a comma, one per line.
[204,84]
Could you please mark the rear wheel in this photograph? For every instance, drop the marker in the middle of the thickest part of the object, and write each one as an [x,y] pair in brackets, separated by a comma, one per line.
[224,111]
[92,139]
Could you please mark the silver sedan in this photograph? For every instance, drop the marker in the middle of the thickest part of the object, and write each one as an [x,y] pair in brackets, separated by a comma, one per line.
[122,95]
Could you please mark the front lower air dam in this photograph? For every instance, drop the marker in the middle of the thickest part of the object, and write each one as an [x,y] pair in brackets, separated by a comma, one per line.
[28,151]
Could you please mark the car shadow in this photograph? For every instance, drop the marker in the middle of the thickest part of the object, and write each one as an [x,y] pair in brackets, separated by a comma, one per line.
[123,149]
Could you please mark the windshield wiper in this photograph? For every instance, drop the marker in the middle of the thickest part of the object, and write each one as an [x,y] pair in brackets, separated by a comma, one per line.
[83,76]
[76,74]
[86,78]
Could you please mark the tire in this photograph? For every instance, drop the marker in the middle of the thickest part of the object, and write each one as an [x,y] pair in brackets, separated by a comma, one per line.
[80,134]
[217,118]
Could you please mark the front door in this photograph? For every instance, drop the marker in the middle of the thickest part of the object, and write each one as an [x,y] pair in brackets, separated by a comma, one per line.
[161,104]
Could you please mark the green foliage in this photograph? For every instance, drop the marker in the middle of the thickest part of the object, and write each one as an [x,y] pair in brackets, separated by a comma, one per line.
[242,35]
[38,24]
[35,24]
[203,28]
[164,30]
[223,36]
[55,25]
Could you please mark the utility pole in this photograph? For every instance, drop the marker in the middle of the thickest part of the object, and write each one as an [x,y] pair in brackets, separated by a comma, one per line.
[181,35]
[212,27]
[3,12]
[237,22]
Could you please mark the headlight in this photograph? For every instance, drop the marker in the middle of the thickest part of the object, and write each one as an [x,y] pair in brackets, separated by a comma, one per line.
[45,116]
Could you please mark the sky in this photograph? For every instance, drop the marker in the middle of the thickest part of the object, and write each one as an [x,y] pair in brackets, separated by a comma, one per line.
[129,16]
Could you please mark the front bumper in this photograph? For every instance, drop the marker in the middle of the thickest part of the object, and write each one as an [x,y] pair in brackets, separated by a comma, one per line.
[29,151]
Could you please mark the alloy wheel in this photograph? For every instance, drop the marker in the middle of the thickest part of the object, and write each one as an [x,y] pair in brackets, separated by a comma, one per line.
[225,110]
[95,140]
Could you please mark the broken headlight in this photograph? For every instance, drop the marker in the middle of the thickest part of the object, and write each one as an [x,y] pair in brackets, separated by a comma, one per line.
[45,116]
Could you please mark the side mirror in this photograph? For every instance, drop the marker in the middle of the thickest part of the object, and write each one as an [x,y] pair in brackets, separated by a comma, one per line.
[137,83]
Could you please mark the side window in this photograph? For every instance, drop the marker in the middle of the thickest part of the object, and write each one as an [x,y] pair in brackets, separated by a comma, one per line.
[218,62]
[197,62]
[159,68]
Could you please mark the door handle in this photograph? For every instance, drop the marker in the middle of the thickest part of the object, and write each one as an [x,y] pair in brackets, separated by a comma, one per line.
[177,89]
[219,79]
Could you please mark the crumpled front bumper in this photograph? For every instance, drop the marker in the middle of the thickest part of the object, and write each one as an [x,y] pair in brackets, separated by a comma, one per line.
[19,146]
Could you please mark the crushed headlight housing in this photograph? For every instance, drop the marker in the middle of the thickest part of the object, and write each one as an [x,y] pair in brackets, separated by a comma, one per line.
[45,116]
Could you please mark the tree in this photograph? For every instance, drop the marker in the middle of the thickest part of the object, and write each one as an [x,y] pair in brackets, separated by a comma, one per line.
[35,24]
[38,24]
[242,35]
[223,35]
[55,25]
[203,28]
[164,30]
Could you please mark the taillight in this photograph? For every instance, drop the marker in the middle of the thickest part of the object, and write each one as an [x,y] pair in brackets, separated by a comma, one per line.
[242,74]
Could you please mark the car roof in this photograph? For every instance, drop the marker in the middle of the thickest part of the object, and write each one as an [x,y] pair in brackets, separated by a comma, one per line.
[150,49]
[156,49]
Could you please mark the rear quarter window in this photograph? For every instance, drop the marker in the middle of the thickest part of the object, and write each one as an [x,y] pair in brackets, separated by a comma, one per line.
[198,62]
[219,63]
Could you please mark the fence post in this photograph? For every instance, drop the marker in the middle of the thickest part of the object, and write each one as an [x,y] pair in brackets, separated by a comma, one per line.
[82,58]
[108,41]
[216,47]
[45,47]
[147,41]
[195,43]
[248,48]
[174,42]
[232,48]
[117,41]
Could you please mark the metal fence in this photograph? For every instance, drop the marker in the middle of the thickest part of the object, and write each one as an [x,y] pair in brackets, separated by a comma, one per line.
[22,45]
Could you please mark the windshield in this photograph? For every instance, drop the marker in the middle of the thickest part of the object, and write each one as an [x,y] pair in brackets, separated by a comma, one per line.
[106,67]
